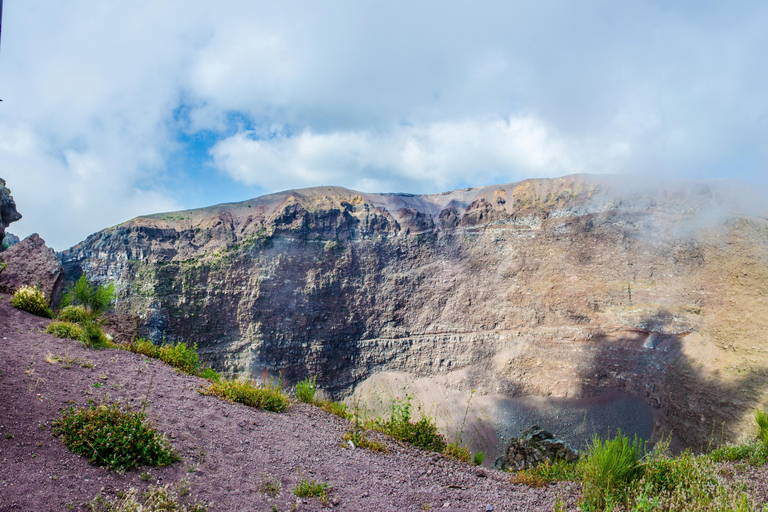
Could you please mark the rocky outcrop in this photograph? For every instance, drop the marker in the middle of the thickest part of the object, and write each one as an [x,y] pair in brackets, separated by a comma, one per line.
[569,287]
[535,446]
[8,211]
[32,263]
[10,239]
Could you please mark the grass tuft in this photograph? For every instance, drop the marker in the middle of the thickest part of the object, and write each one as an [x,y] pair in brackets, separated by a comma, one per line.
[360,440]
[608,469]
[337,408]
[456,451]
[306,389]
[269,396]
[114,436]
[65,329]
[75,314]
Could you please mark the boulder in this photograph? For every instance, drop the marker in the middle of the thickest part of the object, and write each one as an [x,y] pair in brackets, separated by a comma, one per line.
[534,447]
[32,263]
[8,211]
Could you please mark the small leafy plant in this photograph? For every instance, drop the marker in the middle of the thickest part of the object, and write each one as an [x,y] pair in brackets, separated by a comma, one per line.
[114,436]
[306,389]
[478,458]
[269,485]
[32,300]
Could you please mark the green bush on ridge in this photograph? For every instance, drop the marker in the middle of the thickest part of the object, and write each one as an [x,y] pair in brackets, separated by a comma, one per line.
[32,300]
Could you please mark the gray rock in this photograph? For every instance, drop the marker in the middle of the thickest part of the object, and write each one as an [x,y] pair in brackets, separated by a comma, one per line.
[534,447]
[9,240]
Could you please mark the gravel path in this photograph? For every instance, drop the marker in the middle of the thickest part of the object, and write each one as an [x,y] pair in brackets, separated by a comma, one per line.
[226,449]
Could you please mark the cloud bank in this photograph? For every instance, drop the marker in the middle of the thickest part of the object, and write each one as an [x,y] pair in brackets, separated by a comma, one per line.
[113,110]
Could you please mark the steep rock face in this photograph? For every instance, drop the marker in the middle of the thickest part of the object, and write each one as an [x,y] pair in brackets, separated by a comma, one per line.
[32,263]
[8,211]
[567,287]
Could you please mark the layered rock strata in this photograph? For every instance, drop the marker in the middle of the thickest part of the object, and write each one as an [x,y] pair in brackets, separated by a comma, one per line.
[568,287]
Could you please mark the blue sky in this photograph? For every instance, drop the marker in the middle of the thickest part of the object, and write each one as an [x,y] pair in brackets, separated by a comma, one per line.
[116,109]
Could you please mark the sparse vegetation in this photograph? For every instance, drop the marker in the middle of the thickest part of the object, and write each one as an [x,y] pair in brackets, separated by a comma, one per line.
[306,389]
[308,488]
[268,396]
[179,355]
[94,299]
[478,458]
[337,408]
[456,451]
[65,329]
[114,436]
[75,314]
[157,498]
[32,300]
[422,433]
[269,485]
[361,440]
[609,468]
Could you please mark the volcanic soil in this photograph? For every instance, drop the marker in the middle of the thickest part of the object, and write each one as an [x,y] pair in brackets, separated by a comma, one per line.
[226,449]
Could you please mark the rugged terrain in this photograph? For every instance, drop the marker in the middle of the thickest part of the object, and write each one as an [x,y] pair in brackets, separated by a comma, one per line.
[572,290]
[227,450]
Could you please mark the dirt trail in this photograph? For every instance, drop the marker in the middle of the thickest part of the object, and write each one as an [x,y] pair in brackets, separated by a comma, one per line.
[225,448]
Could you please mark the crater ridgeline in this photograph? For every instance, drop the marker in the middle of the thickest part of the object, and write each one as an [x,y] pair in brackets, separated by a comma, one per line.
[575,287]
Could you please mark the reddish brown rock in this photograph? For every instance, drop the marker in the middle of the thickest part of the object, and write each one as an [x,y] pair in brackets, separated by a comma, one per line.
[32,263]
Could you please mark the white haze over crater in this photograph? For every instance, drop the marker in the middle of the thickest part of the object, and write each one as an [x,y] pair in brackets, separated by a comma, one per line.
[115,109]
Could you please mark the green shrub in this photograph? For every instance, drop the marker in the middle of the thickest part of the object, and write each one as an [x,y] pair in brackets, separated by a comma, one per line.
[157,498]
[65,330]
[306,389]
[32,300]
[422,433]
[94,337]
[180,356]
[337,408]
[114,436]
[608,470]
[74,314]
[308,488]
[269,397]
[478,458]
[456,451]
[144,347]
[95,299]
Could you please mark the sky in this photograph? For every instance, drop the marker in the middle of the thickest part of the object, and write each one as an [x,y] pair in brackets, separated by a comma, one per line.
[117,109]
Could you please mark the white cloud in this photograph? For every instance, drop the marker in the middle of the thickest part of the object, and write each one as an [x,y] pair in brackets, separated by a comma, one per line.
[99,98]
[425,158]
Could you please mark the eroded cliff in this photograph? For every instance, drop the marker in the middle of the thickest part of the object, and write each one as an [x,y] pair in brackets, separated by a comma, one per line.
[569,287]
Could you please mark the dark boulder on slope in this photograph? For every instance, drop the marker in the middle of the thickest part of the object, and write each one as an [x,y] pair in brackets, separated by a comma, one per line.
[32,263]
